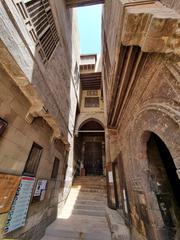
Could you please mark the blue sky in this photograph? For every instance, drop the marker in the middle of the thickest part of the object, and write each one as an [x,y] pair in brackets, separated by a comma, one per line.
[89,22]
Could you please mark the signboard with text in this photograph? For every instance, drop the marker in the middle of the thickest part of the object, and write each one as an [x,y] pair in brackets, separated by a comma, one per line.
[40,190]
[17,215]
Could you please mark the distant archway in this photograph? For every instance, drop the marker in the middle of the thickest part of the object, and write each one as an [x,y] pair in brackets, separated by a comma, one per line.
[91,148]
[91,121]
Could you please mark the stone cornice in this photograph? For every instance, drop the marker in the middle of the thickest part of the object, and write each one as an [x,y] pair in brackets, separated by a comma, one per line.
[146,27]
[152,26]
[37,108]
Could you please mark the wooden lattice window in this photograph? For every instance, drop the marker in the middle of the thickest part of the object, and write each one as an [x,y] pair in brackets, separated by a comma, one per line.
[55,168]
[33,160]
[40,23]
[92,102]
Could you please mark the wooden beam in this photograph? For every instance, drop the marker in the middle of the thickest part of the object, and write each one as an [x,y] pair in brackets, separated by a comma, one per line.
[82,3]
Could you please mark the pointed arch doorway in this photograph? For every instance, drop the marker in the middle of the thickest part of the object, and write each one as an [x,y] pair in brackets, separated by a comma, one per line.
[91,138]
[165,184]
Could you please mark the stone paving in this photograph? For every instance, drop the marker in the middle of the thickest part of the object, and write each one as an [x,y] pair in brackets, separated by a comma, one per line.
[84,214]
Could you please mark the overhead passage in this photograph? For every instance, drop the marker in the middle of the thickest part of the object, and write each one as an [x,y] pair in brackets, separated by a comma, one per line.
[82,3]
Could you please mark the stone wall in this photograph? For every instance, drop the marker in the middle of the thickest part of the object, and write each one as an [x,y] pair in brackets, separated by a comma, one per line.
[152,108]
[55,78]
[39,102]
[15,146]
[175,4]
[150,105]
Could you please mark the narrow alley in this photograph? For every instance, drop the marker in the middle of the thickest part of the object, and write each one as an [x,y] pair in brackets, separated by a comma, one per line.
[90,119]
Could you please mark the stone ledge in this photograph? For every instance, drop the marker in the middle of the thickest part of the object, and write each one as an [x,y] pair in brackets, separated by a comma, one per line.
[117,226]
[153,27]
[37,108]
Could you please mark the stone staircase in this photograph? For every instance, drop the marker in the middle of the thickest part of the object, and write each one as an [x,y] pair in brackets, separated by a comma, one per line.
[84,214]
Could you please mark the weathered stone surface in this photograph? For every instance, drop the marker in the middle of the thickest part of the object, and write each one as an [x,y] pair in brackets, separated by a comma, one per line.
[39,103]
[142,97]
[172,4]
[152,27]
[83,215]
[117,225]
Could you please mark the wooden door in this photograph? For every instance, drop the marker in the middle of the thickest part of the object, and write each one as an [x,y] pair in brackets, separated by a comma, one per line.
[93,158]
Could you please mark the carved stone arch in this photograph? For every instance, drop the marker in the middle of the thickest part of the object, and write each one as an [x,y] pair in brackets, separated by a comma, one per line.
[160,120]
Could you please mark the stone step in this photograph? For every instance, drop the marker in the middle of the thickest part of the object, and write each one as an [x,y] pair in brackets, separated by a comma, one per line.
[98,213]
[57,238]
[58,234]
[95,197]
[93,190]
[90,177]
[88,187]
[90,181]
[89,207]
[102,183]
[98,186]
[91,202]
[88,193]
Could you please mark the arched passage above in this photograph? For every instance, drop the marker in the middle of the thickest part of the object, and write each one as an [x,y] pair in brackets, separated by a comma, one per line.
[91,124]
[85,118]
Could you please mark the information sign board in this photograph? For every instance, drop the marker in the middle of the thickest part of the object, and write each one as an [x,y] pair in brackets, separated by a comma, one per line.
[40,190]
[19,209]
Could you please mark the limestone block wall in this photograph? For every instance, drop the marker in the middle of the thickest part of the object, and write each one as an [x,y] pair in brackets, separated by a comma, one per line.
[53,81]
[15,146]
[49,93]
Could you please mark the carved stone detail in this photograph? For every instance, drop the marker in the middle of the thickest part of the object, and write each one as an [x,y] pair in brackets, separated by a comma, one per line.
[37,107]
[153,27]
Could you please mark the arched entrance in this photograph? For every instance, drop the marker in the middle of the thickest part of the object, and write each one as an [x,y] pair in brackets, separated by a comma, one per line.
[165,184]
[92,148]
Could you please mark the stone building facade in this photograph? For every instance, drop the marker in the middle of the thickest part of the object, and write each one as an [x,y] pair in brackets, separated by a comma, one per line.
[141,71]
[39,92]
